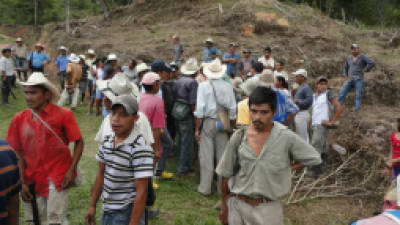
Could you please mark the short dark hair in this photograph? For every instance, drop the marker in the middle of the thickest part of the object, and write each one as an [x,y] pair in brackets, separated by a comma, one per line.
[134,62]
[148,88]
[267,49]
[281,62]
[5,50]
[282,80]
[258,67]
[263,95]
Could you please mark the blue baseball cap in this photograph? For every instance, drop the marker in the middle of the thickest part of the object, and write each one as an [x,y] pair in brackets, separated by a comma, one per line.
[158,65]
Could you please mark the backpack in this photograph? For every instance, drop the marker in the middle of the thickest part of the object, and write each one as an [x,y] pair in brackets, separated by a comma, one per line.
[281,114]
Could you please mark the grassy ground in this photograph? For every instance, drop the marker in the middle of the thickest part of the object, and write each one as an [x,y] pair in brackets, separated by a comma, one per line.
[177,199]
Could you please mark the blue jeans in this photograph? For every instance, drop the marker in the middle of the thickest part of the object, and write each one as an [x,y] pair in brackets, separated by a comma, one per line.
[347,86]
[120,217]
[166,143]
[20,64]
[185,144]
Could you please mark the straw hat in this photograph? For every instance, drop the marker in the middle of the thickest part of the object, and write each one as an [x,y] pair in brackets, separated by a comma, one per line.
[62,48]
[190,67]
[19,39]
[215,69]
[141,67]
[250,85]
[112,57]
[74,58]
[90,52]
[38,78]
[118,85]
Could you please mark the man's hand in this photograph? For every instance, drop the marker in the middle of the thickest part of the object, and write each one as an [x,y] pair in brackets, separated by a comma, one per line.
[157,155]
[197,136]
[223,214]
[26,194]
[68,179]
[90,215]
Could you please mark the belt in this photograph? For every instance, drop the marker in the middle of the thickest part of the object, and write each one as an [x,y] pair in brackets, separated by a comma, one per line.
[251,201]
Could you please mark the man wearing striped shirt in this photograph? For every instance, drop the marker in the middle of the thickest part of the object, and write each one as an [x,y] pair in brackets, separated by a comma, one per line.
[10,185]
[125,164]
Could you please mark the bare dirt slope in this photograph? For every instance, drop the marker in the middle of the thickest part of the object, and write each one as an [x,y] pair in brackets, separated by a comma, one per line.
[301,36]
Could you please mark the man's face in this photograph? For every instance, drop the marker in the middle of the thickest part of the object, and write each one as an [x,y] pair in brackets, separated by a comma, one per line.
[113,63]
[246,54]
[63,52]
[355,51]
[208,44]
[131,65]
[121,121]
[107,102]
[7,54]
[279,67]
[164,75]
[157,86]
[36,97]
[267,54]
[261,116]
[299,79]
[100,64]
[232,49]
[38,48]
[175,41]
[322,86]
[19,43]
[90,56]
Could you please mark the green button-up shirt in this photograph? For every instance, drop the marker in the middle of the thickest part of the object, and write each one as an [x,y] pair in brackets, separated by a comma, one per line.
[269,174]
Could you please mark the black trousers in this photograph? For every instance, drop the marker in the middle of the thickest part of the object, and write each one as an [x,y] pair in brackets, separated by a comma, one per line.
[6,88]
[39,69]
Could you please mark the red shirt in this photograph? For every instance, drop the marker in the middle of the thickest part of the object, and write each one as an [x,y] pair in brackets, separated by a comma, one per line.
[396,147]
[46,158]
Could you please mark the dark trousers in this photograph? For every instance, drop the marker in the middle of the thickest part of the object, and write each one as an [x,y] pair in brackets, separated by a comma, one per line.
[6,89]
[20,64]
[61,76]
[38,69]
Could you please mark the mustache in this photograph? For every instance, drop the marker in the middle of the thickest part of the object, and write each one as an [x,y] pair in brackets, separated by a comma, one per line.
[257,122]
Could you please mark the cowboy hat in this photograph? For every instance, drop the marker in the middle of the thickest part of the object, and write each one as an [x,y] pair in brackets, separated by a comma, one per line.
[118,85]
[73,58]
[214,70]
[90,52]
[250,85]
[62,48]
[39,45]
[82,57]
[38,78]
[190,67]
[209,40]
[300,72]
[141,67]
[112,57]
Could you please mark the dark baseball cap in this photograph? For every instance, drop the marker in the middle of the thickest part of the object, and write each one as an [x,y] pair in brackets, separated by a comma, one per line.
[159,65]
[322,78]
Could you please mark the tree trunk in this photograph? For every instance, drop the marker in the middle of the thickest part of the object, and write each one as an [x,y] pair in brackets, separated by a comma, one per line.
[67,15]
[36,3]
[103,7]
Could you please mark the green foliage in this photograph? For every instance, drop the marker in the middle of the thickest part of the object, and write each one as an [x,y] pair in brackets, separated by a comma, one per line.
[22,11]
[369,12]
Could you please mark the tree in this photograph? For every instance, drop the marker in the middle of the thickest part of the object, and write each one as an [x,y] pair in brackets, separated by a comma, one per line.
[102,4]
[67,15]
[36,3]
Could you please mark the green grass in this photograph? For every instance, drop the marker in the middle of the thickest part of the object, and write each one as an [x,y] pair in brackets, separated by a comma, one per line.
[177,199]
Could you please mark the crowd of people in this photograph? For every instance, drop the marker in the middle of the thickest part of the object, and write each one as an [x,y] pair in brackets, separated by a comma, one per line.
[245,120]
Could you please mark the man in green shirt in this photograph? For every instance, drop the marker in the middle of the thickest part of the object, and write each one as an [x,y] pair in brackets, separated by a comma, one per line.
[256,165]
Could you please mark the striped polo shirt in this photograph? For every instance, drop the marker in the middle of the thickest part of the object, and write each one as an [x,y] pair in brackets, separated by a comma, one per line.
[10,183]
[124,163]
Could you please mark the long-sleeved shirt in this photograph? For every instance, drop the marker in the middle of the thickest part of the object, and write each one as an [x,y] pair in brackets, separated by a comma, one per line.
[304,95]
[354,70]
[206,105]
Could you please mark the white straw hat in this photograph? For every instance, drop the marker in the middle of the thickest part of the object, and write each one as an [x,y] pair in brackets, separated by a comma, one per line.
[38,78]
[190,67]
[118,85]
[215,69]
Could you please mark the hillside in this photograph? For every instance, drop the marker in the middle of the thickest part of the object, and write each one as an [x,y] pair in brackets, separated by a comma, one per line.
[303,38]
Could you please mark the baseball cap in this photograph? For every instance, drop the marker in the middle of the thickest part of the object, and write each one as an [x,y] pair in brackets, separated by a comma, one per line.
[128,102]
[19,39]
[233,44]
[158,65]
[321,78]
[150,78]
[301,72]
[112,57]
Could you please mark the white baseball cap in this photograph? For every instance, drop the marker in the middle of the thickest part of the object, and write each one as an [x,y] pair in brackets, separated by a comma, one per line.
[301,72]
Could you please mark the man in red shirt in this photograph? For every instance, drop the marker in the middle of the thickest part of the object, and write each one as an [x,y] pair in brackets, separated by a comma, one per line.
[40,136]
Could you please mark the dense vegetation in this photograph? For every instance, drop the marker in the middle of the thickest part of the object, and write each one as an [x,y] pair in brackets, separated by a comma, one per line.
[369,12]
[22,11]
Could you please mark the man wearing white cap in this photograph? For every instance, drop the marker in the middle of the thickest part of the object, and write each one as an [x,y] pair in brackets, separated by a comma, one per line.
[61,63]
[20,52]
[90,59]
[74,75]
[216,108]
[40,136]
[304,99]
[210,52]
[185,90]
